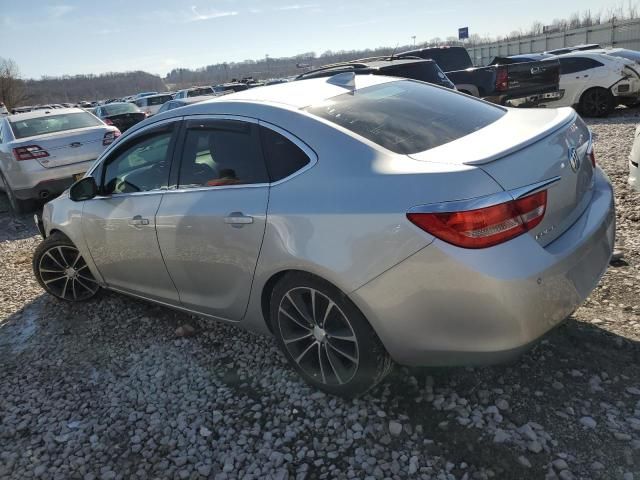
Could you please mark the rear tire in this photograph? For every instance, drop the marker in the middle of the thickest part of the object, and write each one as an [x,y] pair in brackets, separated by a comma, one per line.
[18,206]
[326,339]
[61,271]
[596,102]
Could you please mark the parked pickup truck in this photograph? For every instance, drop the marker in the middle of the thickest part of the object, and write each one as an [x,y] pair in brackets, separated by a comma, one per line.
[536,81]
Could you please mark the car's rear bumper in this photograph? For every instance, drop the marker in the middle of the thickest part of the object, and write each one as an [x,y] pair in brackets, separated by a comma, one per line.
[31,181]
[450,306]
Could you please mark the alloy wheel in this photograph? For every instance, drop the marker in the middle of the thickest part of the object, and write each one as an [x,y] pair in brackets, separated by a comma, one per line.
[596,103]
[65,273]
[318,336]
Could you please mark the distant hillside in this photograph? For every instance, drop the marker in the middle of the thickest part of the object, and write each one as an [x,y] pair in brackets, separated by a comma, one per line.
[266,67]
[90,87]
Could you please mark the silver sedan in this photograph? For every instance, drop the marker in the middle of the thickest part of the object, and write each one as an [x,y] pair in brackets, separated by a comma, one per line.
[41,152]
[358,219]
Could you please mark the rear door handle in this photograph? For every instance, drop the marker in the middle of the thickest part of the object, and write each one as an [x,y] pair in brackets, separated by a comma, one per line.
[237,219]
[138,221]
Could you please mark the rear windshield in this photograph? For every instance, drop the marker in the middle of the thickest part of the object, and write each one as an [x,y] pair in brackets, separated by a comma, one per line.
[420,70]
[159,100]
[448,59]
[52,124]
[406,116]
[196,92]
[120,108]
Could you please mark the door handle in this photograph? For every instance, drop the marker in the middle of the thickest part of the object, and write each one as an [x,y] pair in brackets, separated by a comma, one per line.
[138,221]
[238,219]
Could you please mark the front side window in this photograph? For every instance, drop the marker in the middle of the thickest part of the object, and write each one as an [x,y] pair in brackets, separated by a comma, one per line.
[406,116]
[140,167]
[222,153]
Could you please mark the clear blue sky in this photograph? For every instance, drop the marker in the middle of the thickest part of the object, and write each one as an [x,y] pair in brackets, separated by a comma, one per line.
[79,36]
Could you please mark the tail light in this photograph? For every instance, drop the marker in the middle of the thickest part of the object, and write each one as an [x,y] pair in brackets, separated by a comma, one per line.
[502,79]
[29,152]
[110,137]
[108,121]
[484,227]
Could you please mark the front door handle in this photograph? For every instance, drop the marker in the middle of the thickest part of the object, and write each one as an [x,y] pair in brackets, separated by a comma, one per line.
[138,221]
[238,219]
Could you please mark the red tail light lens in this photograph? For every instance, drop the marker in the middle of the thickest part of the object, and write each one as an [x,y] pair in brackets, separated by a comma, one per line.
[110,137]
[29,152]
[484,227]
[502,79]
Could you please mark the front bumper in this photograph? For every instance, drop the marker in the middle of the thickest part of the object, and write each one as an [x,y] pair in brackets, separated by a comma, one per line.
[450,306]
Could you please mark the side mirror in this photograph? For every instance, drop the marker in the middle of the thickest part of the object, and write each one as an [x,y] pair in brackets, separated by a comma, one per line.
[83,189]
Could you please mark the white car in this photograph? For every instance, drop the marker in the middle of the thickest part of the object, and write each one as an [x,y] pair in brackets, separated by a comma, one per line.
[152,103]
[44,151]
[595,83]
[634,158]
[194,92]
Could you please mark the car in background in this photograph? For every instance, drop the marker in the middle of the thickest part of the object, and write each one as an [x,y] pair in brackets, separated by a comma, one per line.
[634,160]
[122,115]
[152,103]
[3,109]
[411,68]
[143,94]
[594,83]
[230,87]
[577,48]
[454,231]
[43,152]
[501,84]
[194,92]
[177,103]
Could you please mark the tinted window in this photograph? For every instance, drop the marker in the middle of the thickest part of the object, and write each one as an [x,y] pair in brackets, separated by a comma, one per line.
[283,157]
[406,116]
[52,124]
[448,59]
[222,153]
[140,167]
[159,100]
[119,109]
[196,92]
[423,71]
[573,65]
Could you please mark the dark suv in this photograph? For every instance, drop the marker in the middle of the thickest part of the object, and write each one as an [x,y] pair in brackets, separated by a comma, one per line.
[413,68]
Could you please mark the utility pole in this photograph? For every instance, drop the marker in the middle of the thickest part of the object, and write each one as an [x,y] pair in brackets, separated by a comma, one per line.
[266,58]
[414,40]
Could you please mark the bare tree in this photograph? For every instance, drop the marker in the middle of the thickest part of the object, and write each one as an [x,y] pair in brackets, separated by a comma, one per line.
[12,91]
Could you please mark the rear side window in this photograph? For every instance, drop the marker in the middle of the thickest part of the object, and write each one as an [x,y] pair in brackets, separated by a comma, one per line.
[196,92]
[53,124]
[573,65]
[283,157]
[222,153]
[420,70]
[407,117]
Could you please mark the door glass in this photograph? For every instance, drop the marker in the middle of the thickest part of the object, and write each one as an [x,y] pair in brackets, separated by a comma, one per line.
[283,157]
[142,167]
[221,154]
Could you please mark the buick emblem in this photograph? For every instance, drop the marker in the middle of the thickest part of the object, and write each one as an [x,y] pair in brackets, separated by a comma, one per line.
[574,159]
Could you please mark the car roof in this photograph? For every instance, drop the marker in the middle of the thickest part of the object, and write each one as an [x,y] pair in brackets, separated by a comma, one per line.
[602,57]
[43,113]
[156,95]
[302,93]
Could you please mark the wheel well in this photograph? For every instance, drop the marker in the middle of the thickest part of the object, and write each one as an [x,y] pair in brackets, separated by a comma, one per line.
[268,289]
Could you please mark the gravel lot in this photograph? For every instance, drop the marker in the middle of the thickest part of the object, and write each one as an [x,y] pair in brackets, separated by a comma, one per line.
[107,390]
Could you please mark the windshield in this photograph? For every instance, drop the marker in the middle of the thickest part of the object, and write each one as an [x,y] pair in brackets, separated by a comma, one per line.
[120,108]
[158,100]
[196,92]
[53,124]
[407,116]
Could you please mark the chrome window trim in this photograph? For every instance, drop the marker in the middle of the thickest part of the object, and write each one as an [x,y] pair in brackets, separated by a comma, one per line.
[313,157]
[486,201]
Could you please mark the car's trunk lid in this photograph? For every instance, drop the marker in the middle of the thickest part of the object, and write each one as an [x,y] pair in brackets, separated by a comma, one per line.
[68,147]
[526,147]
